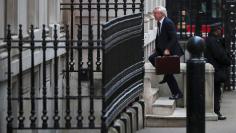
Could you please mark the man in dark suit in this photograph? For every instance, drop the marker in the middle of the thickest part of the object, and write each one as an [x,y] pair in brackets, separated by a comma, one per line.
[166,44]
[216,55]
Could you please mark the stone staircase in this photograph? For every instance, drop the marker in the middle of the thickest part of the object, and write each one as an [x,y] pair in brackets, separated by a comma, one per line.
[160,111]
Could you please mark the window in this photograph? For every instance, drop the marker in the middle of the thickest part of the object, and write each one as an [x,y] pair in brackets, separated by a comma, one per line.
[216,8]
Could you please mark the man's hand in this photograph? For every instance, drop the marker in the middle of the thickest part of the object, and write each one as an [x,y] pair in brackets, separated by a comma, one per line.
[166,52]
[153,50]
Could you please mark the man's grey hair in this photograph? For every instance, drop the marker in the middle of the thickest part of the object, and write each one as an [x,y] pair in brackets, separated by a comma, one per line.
[161,9]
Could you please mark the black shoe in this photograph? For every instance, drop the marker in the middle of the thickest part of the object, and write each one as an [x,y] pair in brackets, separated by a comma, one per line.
[177,96]
[162,82]
[172,97]
[221,117]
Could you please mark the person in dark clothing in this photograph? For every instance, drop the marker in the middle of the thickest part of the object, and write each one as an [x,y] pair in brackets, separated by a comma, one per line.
[166,44]
[218,57]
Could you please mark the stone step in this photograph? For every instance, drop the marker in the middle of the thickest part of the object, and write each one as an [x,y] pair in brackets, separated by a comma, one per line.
[150,96]
[177,119]
[163,106]
[155,94]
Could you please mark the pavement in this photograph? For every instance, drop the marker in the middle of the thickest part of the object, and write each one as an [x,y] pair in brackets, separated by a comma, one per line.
[228,108]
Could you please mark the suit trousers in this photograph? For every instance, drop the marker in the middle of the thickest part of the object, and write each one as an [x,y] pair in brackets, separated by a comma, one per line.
[217,96]
[170,79]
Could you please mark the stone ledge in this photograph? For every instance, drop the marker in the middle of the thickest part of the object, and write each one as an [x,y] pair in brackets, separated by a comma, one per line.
[164,101]
[177,119]
[163,106]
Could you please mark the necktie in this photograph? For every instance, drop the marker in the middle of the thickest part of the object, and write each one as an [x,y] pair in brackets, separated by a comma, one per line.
[159,27]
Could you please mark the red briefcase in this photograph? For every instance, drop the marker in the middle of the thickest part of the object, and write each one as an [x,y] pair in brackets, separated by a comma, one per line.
[167,64]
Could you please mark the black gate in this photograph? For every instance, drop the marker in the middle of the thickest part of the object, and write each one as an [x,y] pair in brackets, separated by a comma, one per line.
[74,90]
[230,38]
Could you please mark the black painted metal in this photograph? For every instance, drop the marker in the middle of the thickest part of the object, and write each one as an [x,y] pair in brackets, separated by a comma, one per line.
[67,116]
[90,69]
[32,91]
[80,64]
[124,81]
[196,86]
[71,63]
[230,32]
[44,116]
[107,10]
[98,62]
[9,86]
[56,116]
[21,117]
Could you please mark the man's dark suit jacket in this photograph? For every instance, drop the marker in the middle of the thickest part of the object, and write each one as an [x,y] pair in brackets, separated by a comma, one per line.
[216,55]
[168,39]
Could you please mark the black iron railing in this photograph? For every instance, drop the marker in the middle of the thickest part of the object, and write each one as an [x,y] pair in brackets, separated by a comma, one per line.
[117,56]
[230,38]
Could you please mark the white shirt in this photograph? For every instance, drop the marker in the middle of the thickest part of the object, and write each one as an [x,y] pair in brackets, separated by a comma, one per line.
[161,21]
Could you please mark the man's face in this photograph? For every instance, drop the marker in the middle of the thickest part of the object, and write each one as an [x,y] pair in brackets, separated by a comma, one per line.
[158,15]
[218,32]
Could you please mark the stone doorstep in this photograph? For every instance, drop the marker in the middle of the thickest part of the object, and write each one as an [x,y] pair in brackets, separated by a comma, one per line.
[163,106]
[177,119]
[155,94]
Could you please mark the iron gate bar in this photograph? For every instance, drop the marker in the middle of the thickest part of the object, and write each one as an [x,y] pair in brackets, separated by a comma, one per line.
[80,65]
[9,87]
[116,7]
[90,69]
[71,35]
[67,117]
[44,116]
[133,6]
[125,6]
[56,117]
[98,62]
[32,91]
[107,9]
[21,117]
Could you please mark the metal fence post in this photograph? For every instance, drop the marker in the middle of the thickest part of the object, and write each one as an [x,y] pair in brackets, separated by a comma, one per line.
[196,86]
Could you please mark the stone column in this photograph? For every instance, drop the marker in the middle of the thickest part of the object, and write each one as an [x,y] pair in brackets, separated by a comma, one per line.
[12,14]
[33,13]
[53,11]
[22,15]
[43,10]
